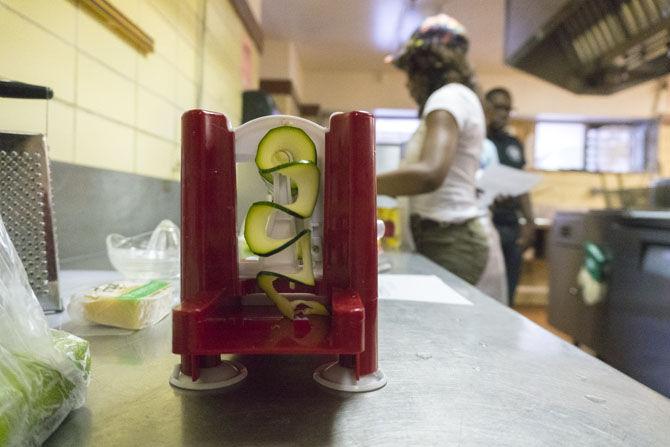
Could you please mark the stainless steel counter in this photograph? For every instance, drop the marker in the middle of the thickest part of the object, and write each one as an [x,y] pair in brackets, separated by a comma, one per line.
[458,375]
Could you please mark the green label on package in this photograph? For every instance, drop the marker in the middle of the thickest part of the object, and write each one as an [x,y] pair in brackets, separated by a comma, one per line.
[144,291]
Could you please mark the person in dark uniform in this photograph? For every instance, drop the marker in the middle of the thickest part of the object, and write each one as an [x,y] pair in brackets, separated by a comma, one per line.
[513,216]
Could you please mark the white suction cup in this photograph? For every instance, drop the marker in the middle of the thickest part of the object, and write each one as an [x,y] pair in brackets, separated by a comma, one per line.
[228,373]
[340,378]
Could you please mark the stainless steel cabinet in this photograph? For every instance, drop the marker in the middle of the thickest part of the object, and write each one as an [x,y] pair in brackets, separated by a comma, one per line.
[567,310]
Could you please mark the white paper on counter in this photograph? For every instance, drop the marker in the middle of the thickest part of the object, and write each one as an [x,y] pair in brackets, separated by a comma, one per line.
[425,288]
[500,180]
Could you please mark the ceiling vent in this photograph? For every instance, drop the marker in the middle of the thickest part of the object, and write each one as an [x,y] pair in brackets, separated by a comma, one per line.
[589,46]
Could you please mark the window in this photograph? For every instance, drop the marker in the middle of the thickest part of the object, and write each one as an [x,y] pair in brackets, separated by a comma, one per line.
[616,148]
[559,146]
[394,127]
[595,147]
[395,130]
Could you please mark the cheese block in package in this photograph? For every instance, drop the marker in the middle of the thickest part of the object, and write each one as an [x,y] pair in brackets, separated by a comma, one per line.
[125,304]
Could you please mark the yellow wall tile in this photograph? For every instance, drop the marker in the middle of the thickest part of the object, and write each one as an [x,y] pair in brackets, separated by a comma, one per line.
[103,143]
[211,79]
[234,112]
[221,43]
[104,45]
[130,8]
[104,91]
[22,115]
[215,24]
[156,74]
[187,92]
[224,104]
[229,16]
[111,102]
[187,60]
[181,17]
[156,157]
[189,25]
[169,9]
[30,116]
[196,6]
[155,115]
[178,116]
[218,80]
[57,16]
[159,28]
[30,54]
[177,125]
[61,132]
[228,104]
[210,102]
[175,173]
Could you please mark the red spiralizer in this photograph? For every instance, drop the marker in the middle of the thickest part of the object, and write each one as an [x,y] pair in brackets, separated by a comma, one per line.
[222,309]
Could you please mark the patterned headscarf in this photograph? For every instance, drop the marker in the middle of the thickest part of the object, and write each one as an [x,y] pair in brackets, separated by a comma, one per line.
[438,49]
[437,31]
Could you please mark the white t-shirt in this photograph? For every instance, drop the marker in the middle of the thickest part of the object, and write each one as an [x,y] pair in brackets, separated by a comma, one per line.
[455,200]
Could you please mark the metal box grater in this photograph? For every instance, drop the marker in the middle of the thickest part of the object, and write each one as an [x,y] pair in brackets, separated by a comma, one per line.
[25,206]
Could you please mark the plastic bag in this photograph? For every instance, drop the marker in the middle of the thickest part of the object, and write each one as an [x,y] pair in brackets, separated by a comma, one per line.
[43,373]
[124,304]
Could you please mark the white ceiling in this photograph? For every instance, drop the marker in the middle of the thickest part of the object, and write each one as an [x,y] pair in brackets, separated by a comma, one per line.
[357,34]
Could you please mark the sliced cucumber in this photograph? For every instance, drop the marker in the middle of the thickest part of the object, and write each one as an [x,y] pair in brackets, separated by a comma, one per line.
[285,306]
[305,176]
[283,145]
[306,274]
[255,229]
[288,151]
[265,282]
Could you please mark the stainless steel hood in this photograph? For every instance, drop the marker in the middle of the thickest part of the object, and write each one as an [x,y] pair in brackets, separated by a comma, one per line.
[589,46]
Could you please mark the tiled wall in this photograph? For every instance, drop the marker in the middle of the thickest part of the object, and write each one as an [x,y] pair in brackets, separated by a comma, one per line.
[115,108]
[577,191]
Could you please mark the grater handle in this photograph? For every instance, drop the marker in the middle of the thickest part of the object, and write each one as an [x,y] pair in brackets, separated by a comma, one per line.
[15,89]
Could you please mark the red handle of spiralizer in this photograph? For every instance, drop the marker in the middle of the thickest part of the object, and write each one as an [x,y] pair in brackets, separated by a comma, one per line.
[208,220]
[350,222]
[209,269]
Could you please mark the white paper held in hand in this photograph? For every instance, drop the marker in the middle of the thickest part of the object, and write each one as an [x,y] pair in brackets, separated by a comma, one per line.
[500,180]
[425,288]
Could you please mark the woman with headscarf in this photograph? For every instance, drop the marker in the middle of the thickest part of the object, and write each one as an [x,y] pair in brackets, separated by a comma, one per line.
[444,154]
